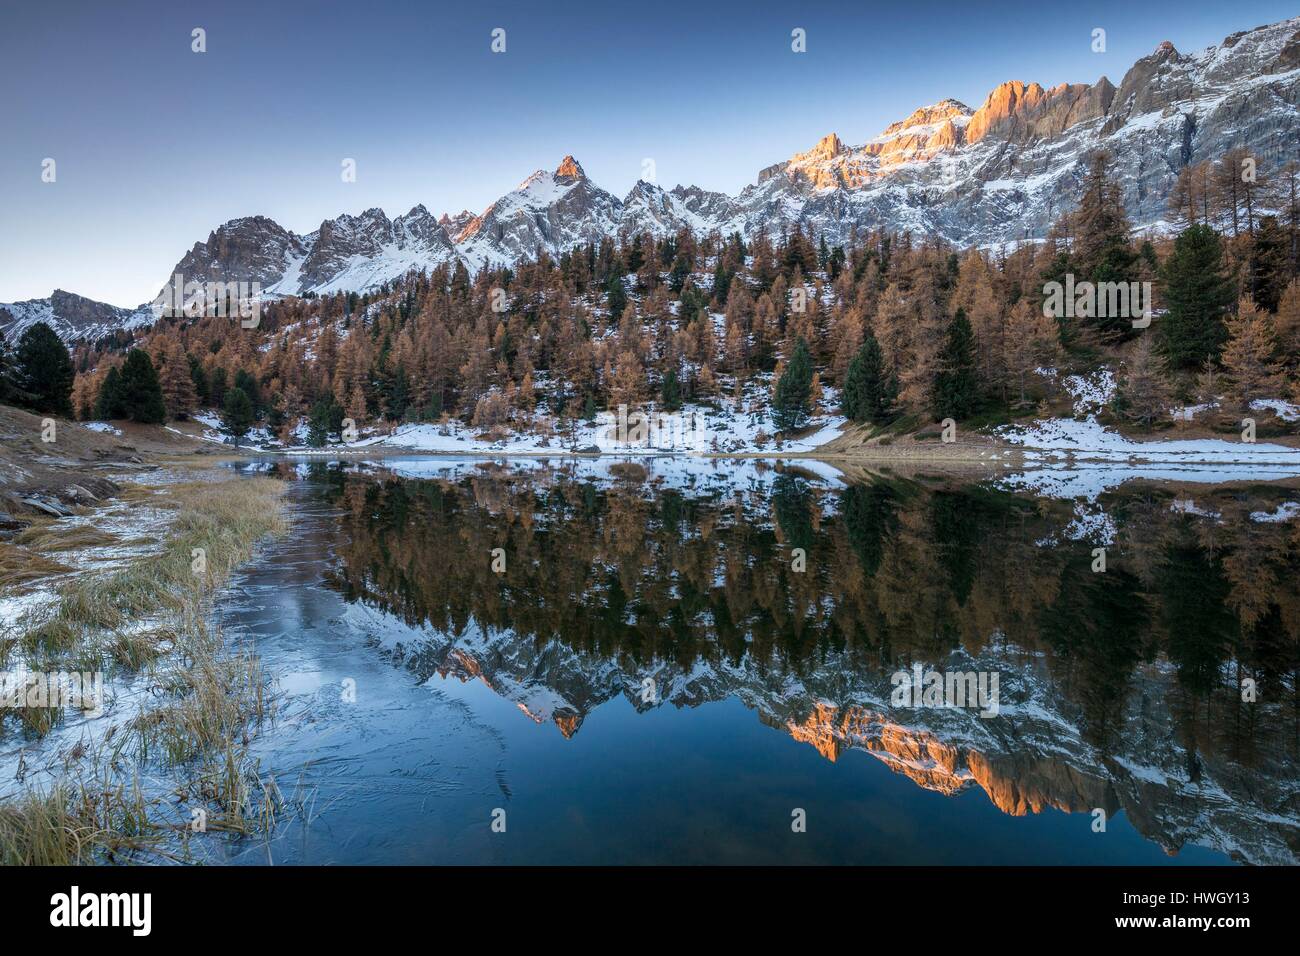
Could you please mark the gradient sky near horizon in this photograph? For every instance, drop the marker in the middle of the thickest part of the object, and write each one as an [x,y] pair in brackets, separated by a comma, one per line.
[156,145]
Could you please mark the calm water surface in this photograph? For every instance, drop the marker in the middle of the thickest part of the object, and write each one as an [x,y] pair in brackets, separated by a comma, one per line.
[651,680]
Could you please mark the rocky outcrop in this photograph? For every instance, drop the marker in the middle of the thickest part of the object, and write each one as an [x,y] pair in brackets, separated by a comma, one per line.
[708,205]
[1289,58]
[1003,172]
[548,212]
[352,252]
[1006,172]
[80,311]
[71,316]
[338,240]
[453,226]
[345,253]
[1016,113]
[252,249]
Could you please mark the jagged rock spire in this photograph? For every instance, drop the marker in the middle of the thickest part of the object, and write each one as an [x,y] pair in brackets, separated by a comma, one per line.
[569,169]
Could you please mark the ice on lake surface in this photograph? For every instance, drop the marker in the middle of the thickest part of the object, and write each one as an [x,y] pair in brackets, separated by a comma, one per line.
[673,662]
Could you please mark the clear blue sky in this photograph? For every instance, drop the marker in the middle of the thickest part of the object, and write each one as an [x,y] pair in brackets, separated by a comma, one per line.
[156,146]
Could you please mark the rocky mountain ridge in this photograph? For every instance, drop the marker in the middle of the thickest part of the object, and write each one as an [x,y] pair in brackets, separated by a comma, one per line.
[71,316]
[997,174]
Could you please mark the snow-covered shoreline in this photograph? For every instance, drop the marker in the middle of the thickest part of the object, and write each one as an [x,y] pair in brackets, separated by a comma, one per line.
[1053,457]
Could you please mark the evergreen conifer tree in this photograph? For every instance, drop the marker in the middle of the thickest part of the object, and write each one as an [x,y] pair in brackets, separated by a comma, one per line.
[670,391]
[791,404]
[237,413]
[109,404]
[869,393]
[956,393]
[43,373]
[1198,294]
[140,392]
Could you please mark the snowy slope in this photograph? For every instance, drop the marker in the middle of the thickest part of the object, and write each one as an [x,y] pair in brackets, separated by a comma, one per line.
[71,316]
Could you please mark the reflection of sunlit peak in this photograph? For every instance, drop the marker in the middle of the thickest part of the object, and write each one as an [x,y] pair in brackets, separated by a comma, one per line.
[1027,785]
[463,665]
[818,731]
[918,755]
[535,718]
[568,723]
[889,557]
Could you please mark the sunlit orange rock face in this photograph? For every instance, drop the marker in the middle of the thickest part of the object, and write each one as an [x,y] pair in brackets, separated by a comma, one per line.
[829,164]
[924,133]
[927,131]
[944,137]
[1016,112]
[1002,105]
[828,147]
[569,169]
[1015,786]
[919,755]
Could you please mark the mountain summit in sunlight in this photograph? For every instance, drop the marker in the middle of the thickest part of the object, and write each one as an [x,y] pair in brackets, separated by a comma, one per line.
[569,169]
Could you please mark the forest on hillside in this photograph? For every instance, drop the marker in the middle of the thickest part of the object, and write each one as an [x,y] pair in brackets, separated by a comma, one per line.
[903,329]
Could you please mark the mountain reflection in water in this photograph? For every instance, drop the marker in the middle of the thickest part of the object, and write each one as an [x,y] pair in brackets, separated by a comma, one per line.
[1119,689]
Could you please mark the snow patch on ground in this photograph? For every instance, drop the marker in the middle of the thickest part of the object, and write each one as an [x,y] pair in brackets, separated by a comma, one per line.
[725,426]
[1286,411]
[1187,413]
[1081,458]
[729,427]
[1283,512]
[1088,440]
[1187,506]
[1091,393]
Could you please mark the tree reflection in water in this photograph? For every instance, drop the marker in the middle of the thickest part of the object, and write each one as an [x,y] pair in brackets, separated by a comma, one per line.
[1119,689]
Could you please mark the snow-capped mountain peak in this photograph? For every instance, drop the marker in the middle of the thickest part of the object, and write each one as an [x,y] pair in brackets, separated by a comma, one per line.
[71,316]
[1003,172]
[1000,173]
[548,212]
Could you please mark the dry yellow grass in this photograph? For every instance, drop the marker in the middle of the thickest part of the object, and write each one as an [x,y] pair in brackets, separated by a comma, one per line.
[76,826]
[20,567]
[215,529]
[52,538]
[207,697]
